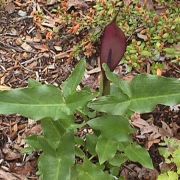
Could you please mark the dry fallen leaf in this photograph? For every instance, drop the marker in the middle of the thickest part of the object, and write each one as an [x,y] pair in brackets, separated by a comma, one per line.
[153,133]
[58,48]
[51,2]
[41,47]
[159,72]
[35,130]
[25,169]
[175,130]
[77,4]
[148,4]
[10,155]
[74,29]
[127,2]
[11,176]
[165,130]
[142,36]
[89,50]
[49,35]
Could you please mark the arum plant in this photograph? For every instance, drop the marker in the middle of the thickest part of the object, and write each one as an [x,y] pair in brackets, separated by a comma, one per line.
[113,47]
[99,154]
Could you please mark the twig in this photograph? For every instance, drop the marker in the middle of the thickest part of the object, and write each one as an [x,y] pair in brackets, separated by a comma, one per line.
[17,49]
[23,18]
[132,170]
[31,60]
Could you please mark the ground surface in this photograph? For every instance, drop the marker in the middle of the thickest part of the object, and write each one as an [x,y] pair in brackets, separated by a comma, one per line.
[32,48]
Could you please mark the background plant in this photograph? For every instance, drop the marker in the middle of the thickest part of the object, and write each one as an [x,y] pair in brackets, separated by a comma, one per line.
[170,150]
[152,36]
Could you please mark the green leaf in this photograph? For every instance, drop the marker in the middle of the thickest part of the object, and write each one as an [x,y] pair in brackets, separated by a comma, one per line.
[70,85]
[115,105]
[146,53]
[36,102]
[89,171]
[33,83]
[114,127]
[79,99]
[145,92]
[138,154]
[121,84]
[170,175]
[79,141]
[148,91]
[79,152]
[176,158]
[52,131]
[118,159]
[40,143]
[59,165]
[170,51]
[106,149]
[34,143]
[91,141]
[115,171]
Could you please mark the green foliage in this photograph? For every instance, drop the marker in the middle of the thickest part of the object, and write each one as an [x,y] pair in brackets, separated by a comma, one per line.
[59,164]
[70,85]
[90,171]
[136,153]
[49,100]
[171,153]
[112,127]
[106,149]
[141,95]
[170,175]
[100,153]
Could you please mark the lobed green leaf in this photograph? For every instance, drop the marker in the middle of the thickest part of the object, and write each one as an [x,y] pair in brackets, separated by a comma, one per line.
[141,95]
[36,102]
[70,85]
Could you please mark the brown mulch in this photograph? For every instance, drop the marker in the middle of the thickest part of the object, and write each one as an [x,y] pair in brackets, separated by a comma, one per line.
[28,52]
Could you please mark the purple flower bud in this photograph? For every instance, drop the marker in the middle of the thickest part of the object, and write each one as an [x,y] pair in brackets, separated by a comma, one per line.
[113,45]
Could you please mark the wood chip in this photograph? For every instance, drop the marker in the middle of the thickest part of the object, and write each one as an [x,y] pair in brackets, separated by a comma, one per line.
[26,47]
[62,55]
[95,70]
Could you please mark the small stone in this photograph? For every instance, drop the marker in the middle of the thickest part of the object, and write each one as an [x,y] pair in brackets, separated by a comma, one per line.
[58,48]
[22,13]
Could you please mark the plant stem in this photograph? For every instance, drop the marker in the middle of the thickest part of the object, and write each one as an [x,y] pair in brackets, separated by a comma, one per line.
[105,84]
